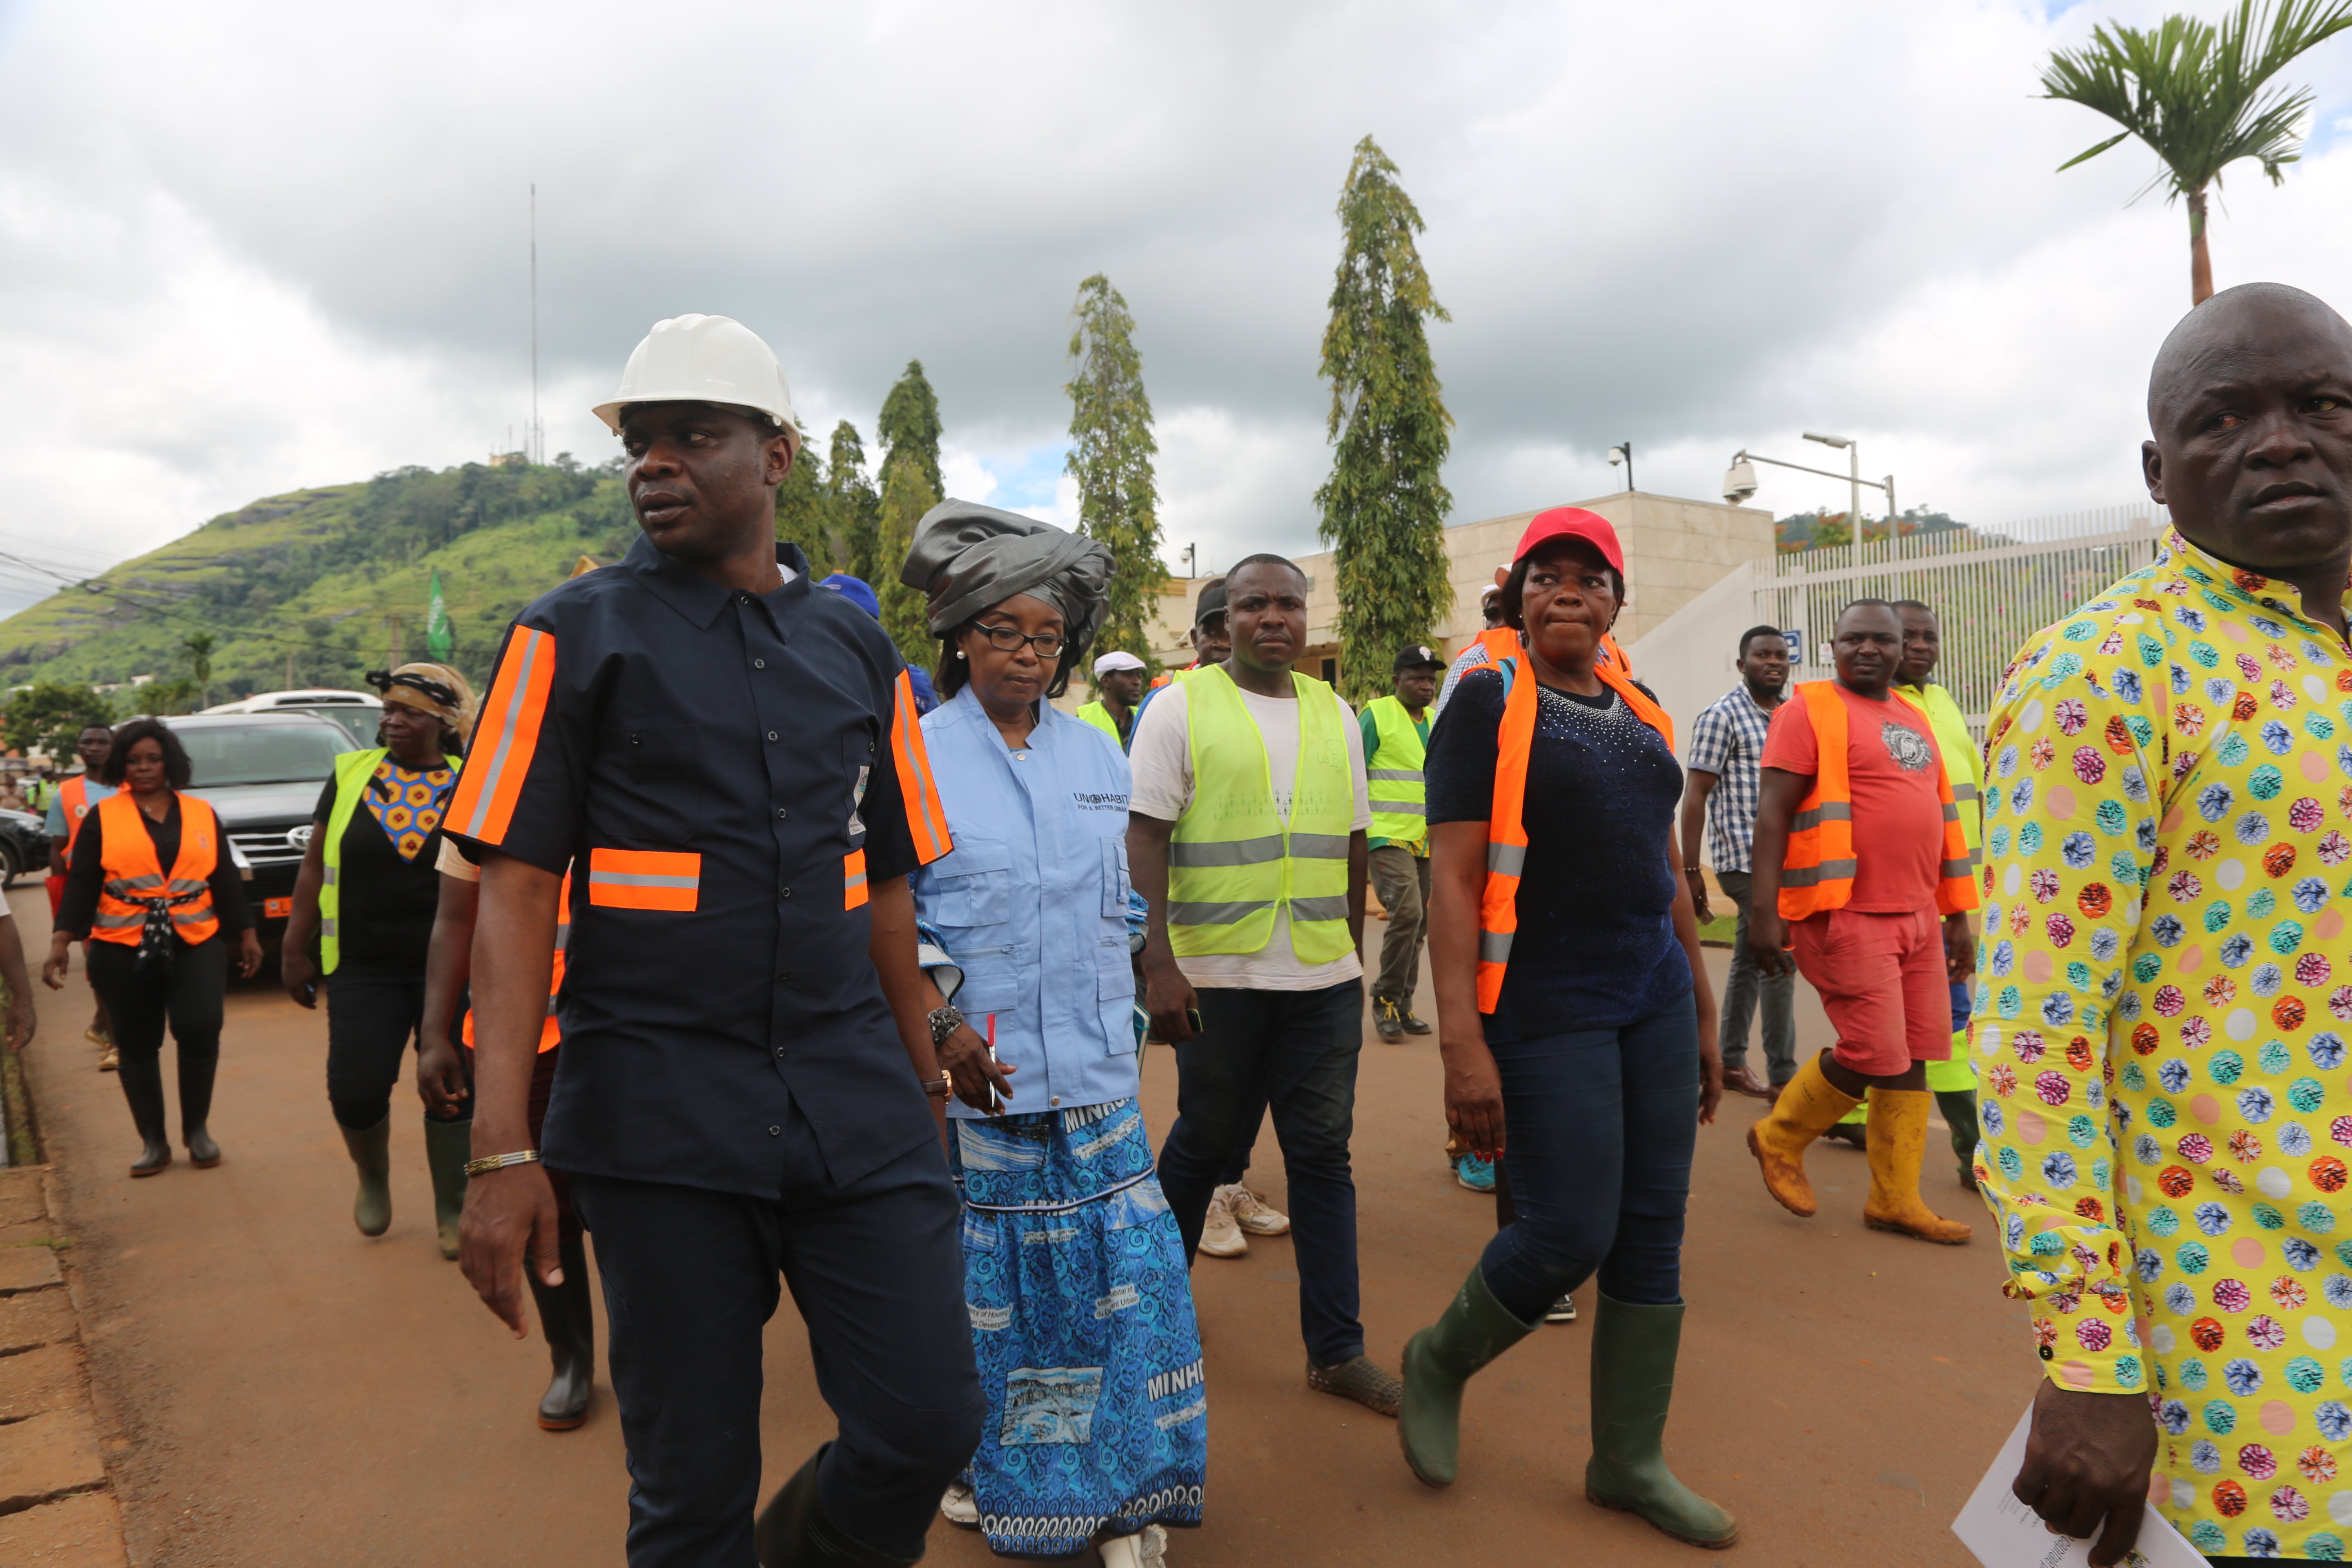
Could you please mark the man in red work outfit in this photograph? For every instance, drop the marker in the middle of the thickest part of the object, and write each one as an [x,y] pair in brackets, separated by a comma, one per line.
[1858,847]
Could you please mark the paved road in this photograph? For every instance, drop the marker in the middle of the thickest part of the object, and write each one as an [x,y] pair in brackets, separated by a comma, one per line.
[277,1390]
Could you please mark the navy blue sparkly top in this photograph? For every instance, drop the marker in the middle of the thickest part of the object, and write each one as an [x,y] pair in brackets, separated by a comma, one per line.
[1596,946]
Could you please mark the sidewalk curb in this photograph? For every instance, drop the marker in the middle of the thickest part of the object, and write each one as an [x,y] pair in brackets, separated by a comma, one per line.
[57,1507]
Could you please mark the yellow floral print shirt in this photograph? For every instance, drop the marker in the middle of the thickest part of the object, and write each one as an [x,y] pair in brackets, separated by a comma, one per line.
[2163,998]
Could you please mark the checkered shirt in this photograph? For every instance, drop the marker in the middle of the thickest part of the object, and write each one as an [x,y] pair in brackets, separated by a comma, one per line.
[1729,741]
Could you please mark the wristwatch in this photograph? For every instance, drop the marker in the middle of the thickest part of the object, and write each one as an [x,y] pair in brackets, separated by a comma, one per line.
[945,1021]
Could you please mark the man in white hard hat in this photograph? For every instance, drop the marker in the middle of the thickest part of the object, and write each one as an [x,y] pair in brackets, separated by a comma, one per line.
[1119,687]
[731,761]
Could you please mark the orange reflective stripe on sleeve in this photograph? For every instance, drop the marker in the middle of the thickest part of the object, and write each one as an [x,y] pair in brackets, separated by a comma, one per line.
[500,756]
[644,879]
[853,877]
[927,819]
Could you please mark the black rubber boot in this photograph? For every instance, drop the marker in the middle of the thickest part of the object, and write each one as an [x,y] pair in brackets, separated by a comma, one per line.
[565,1317]
[1960,1109]
[197,1070]
[141,1078]
[1438,1362]
[1634,1348]
[792,1531]
[370,1150]
[447,1146]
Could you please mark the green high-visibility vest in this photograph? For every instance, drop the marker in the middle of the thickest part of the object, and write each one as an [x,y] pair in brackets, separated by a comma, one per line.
[1097,715]
[1399,798]
[353,771]
[1231,861]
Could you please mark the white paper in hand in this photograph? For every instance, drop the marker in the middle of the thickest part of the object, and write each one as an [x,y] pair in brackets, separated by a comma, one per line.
[2004,1533]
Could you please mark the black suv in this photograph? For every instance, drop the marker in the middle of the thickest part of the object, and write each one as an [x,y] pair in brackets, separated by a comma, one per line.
[262,772]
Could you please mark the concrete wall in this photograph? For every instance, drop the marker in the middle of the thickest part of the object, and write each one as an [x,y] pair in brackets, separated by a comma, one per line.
[1674,551]
[1687,658]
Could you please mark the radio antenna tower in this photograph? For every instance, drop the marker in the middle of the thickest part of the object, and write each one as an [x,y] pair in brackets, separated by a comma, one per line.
[538,436]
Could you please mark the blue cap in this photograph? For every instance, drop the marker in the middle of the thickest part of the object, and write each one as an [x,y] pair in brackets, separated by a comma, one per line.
[857,591]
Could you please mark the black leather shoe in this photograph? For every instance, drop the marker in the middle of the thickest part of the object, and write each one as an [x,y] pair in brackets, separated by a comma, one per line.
[1413,1026]
[202,1153]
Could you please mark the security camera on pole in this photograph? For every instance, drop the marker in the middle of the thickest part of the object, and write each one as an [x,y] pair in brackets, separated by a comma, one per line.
[1740,479]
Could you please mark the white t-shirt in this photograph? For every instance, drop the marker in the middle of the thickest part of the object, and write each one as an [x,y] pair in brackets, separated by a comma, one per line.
[1161,763]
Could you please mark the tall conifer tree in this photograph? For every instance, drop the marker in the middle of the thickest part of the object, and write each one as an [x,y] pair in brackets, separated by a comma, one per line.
[907,495]
[805,513]
[1111,447]
[910,425]
[856,510]
[1383,509]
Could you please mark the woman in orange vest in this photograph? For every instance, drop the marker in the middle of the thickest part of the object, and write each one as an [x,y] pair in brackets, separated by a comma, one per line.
[158,940]
[1574,1017]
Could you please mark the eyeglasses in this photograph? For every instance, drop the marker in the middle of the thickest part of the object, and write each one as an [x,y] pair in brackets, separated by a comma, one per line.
[1008,639]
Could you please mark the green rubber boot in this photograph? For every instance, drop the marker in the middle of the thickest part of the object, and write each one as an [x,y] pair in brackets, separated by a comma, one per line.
[372,1153]
[1438,1362]
[1633,1351]
[447,1146]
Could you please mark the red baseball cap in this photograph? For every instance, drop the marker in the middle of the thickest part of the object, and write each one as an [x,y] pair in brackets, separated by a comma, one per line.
[1572,522]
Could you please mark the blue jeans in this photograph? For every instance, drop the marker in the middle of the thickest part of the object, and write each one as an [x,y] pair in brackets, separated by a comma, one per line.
[1293,1053]
[1598,1126]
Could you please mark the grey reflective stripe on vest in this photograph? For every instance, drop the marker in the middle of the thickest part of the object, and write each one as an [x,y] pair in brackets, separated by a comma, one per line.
[126,888]
[334,877]
[562,935]
[1952,811]
[1318,847]
[1393,775]
[1963,790]
[641,879]
[1398,807]
[1227,852]
[1506,859]
[1812,876]
[1217,915]
[1320,909]
[1955,870]
[118,921]
[1829,811]
[1494,946]
[327,926]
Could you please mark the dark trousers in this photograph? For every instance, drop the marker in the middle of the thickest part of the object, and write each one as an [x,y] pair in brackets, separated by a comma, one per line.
[1747,989]
[690,1280]
[372,1015]
[1598,1128]
[188,995]
[1402,880]
[1292,1052]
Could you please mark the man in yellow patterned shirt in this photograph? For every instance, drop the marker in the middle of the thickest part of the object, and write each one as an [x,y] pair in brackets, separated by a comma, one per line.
[2166,978]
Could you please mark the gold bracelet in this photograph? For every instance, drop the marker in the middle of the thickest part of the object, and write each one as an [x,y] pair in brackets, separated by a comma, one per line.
[500,1161]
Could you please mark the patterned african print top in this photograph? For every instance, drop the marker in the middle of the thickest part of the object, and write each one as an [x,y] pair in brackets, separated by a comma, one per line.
[408,803]
[2161,1009]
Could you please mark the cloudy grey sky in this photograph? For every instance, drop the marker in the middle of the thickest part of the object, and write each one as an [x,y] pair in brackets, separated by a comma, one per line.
[246,248]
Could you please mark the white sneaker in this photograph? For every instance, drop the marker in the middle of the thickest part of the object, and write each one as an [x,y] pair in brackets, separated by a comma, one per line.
[959,1508]
[1219,1236]
[1147,1550]
[1251,1212]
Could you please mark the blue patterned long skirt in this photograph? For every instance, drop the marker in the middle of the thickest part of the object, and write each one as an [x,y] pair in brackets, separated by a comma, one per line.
[1082,1320]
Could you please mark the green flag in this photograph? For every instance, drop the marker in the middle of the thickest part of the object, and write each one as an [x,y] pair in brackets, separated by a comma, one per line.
[438,638]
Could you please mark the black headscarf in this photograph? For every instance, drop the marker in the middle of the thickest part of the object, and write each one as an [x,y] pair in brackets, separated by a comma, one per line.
[966,557]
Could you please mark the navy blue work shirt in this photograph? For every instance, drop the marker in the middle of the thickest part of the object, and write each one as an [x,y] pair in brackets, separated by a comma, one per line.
[723,771]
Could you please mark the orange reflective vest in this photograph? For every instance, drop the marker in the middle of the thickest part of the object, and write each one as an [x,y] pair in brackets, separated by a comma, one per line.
[1817,873]
[1506,833]
[550,1033]
[73,803]
[134,882]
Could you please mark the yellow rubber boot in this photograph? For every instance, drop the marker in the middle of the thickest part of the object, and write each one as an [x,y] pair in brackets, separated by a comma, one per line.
[1809,1107]
[1898,1140]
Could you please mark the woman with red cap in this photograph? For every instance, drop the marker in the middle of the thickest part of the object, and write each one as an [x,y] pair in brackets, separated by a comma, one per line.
[1574,1017]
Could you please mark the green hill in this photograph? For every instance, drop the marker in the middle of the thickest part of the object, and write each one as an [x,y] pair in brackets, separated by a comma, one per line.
[305,588]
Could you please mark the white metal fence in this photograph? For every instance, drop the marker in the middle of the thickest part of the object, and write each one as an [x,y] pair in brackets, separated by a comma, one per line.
[1991,587]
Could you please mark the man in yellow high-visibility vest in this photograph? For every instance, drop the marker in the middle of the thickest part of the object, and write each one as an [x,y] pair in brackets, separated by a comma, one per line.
[1119,687]
[1396,737]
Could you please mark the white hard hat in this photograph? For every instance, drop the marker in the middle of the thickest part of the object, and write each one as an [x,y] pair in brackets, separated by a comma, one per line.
[1116,661]
[705,359]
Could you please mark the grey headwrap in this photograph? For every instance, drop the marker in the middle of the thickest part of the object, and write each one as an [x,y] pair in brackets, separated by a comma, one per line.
[966,557]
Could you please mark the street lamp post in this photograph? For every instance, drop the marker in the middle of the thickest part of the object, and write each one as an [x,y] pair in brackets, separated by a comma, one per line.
[1740,479]
[1622,452]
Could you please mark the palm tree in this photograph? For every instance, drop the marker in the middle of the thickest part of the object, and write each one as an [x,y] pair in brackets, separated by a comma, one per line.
[2198,94]
[199,649]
